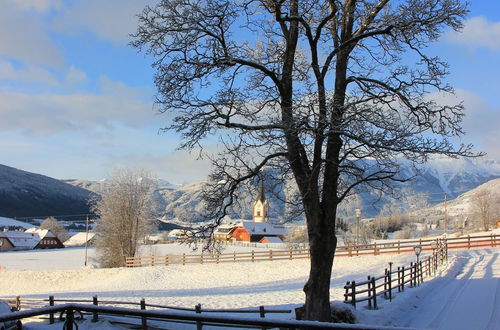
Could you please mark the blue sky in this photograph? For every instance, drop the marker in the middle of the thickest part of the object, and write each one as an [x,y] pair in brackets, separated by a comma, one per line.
[76,100]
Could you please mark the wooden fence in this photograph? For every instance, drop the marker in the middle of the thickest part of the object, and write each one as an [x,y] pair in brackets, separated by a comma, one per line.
[390,247]
[395,279]
[34,303]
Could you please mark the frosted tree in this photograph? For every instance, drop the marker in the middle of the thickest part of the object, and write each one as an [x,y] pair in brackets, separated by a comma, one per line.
[125,216]
[55,227]
[328,92]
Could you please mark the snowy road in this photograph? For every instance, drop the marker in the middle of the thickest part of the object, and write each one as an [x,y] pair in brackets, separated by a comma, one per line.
[468,298]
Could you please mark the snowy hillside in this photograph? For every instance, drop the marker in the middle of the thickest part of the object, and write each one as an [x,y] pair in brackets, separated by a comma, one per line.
[462,207]
[8,222]
[25,194]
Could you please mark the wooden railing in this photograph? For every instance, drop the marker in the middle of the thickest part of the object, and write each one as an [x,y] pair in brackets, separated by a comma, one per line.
[397,279]
[391,247]
[72,310]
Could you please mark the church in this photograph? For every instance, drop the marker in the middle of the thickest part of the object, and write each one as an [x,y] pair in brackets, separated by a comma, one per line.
[258,230]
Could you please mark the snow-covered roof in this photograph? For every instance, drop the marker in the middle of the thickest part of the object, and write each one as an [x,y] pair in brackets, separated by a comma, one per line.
[263,228]
[79,239]
[41,232]
[21,240]
[272,239]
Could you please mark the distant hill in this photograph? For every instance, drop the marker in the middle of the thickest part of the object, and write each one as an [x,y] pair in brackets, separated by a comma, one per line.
[26,194]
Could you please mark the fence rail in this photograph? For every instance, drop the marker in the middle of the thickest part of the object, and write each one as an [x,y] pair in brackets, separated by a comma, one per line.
[70,309]
[397,279]
[391,247]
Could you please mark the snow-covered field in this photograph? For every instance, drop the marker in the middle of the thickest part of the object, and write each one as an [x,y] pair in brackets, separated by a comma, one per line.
[465,296]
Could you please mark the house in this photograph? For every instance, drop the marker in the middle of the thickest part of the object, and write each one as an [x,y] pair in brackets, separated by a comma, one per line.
[79,239]
[18,240]
[257,230]
[5,244]
[48,240]
[30,239]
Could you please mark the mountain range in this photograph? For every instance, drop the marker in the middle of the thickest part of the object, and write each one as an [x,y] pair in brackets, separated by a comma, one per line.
[25,194]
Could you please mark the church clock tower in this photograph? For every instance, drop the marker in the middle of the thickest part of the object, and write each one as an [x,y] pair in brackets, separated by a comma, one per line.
[260,207]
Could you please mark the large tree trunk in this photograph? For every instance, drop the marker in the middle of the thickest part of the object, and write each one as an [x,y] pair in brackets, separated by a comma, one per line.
[317,288]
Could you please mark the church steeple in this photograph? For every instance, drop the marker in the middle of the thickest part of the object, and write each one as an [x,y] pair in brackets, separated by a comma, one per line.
[260,206]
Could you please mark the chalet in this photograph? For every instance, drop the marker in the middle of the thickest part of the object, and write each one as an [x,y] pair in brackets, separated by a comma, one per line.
[48,240]
[30,239]
[80,239]
[257,230]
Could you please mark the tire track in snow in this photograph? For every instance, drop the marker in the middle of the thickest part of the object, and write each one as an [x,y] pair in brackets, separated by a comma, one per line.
[469,302]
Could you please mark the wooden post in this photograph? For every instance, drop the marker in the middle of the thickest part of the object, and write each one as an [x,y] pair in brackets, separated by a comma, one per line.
[144,321]
[468,242]
[375,248]
[18,303]
[369,293]
[421,272]
[271,255]
[403,277]
[70,319]
[199,324]
[349,249]
[253,256]
[183,259]
[390,282]
[95,317]
[51,315]
[399,279]
[346,294]
[202,258]
[386,278]
[374,294]
[234,256]
[399,247]
[353,286]
[291,254]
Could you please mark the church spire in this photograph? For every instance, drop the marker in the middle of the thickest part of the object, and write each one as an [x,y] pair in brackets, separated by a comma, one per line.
[261,196]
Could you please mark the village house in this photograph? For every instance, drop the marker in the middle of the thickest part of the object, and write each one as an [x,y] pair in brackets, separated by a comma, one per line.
[79,239]
[30,239]
[258,230]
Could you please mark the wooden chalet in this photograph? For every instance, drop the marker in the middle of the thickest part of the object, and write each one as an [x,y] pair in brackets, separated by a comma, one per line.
[28,240]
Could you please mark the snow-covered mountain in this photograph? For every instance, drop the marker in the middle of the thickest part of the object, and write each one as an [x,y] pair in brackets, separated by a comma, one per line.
[25,194]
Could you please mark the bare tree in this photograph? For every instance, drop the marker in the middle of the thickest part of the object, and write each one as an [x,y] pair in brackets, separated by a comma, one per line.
[318,91]
[125,213]
[55,227]
[484,209]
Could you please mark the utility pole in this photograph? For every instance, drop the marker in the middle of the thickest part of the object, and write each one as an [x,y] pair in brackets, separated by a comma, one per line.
[445,214]
[86,238]
[358,217]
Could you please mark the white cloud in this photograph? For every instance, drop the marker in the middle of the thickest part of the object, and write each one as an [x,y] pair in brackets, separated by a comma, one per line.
[480,123]
[75,76]
[27,74]
[111,20]
[24,37]
[477,32]
[48,114]
[37,5]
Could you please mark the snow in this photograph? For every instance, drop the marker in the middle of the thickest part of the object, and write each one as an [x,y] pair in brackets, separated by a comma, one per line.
[465,295]
[6,222]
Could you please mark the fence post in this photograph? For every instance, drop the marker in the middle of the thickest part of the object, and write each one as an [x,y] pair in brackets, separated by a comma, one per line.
[353,286]
[468,242]
[374,288]
[386,277]
[375,248]
[202,258]
[421,272]
[95,317]
[70,319]
[349,249]
[18,303]
[183,259]
[199,324]
[399,279]
[346,294]
[144,321]
[369,293]
[167,262]
[51,315]
[271,255]
[291,254]
[403,277]
[399,246]
[253,256]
